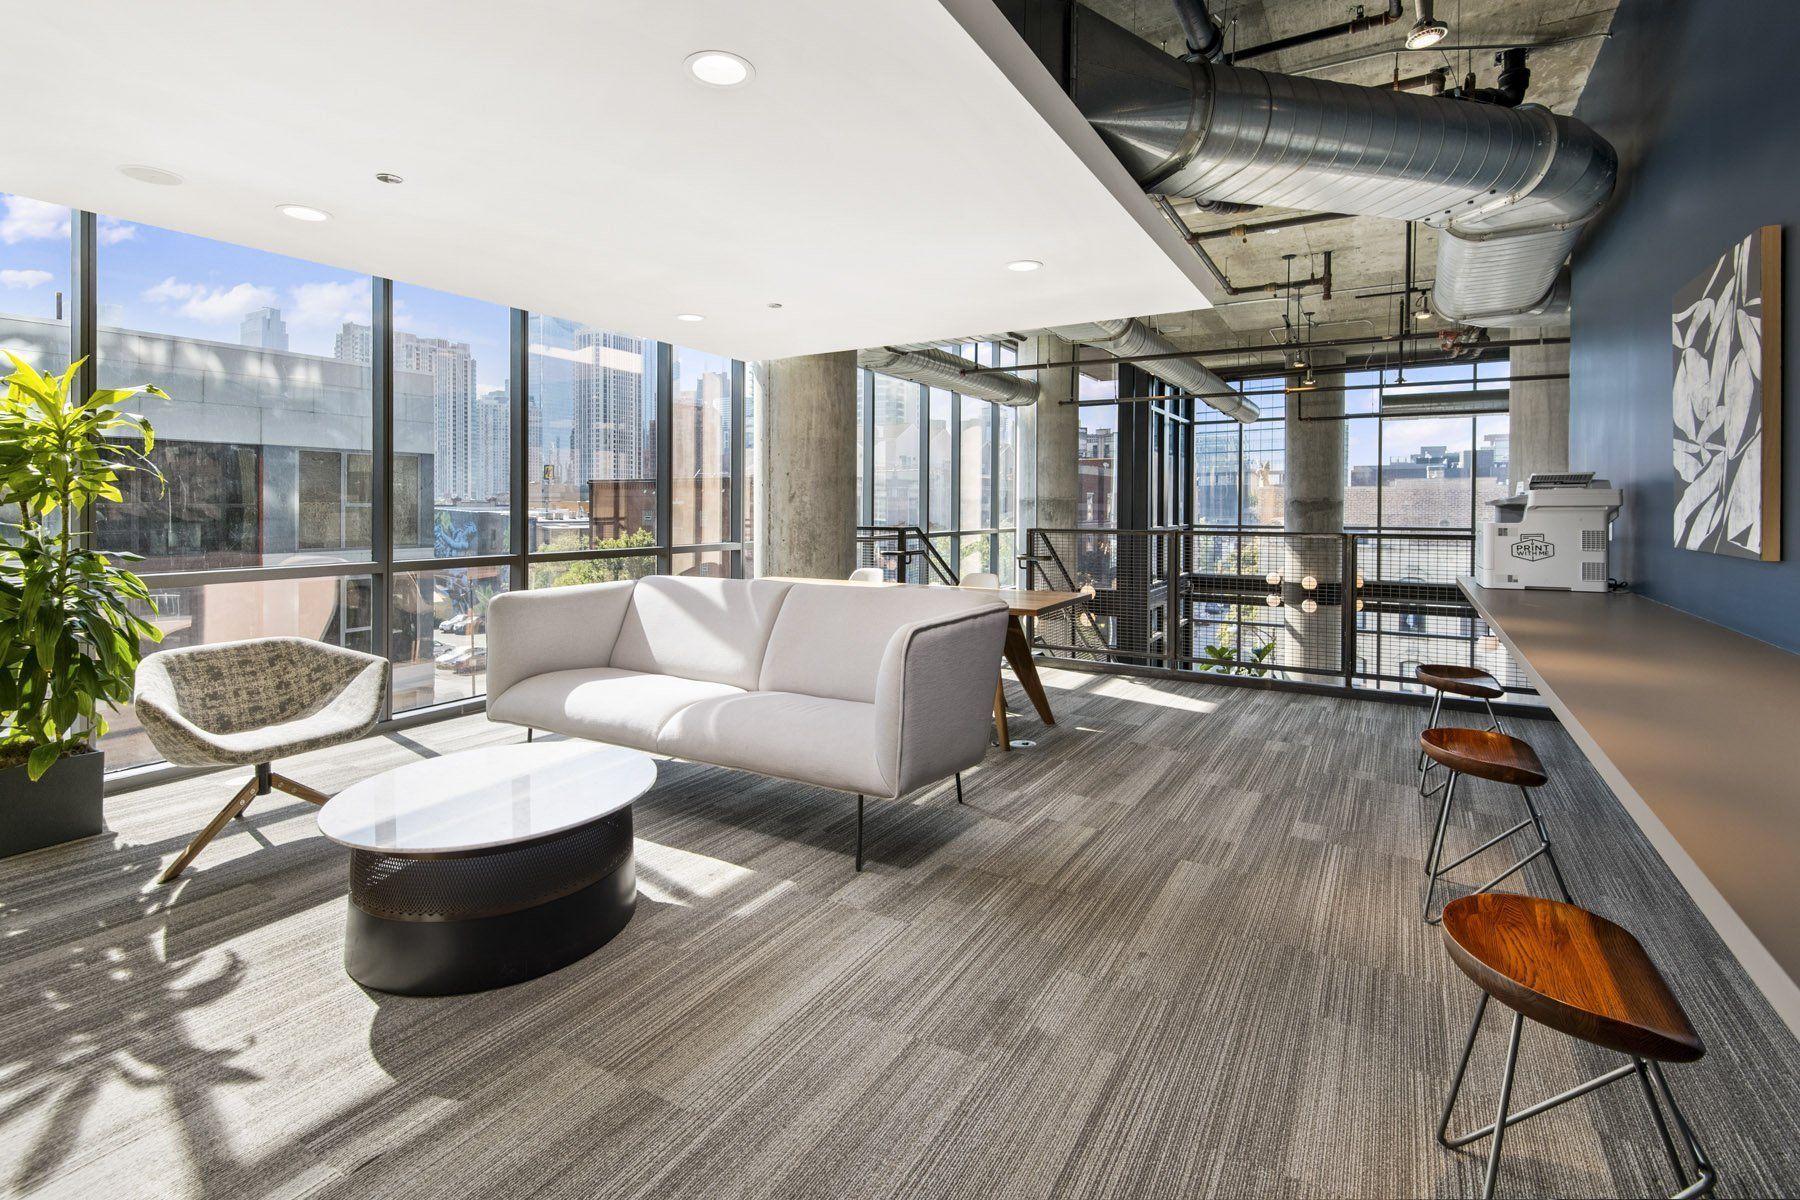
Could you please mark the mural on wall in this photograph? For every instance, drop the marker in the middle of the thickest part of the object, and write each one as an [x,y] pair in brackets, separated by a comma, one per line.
[1728,403]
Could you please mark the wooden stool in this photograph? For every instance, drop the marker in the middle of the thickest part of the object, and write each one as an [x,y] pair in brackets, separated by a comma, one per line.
[1485,754]
[1583,976]
[1460,681]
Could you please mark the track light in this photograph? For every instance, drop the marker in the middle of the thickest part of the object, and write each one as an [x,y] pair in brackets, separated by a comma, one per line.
[1427,31]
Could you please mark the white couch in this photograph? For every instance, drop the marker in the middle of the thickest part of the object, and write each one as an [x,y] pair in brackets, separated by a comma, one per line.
[871,690]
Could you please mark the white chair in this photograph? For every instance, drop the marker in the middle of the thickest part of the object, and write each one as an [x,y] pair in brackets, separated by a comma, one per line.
[247,703]
[979,579]
[868,575]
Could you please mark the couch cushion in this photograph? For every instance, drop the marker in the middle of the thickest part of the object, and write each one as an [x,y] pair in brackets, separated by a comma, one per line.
[830,743]
[829,638]
[605,704]
[711,629]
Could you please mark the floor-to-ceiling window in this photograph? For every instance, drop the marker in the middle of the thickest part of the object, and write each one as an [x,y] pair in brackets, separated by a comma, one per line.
[1424,451]
[365,462]
[451,515]
[942,462]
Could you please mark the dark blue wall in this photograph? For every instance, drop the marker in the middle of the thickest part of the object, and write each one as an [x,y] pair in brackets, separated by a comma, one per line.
[1698,98]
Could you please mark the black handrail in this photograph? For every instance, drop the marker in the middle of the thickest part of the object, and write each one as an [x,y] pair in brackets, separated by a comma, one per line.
[1154,597]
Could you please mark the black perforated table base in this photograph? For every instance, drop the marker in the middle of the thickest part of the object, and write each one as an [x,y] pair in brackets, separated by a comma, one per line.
[442,926]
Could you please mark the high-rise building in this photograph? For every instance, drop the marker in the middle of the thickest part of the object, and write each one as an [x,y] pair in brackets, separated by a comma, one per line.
[491,437]
[264,328]
[607,434]
[459,469]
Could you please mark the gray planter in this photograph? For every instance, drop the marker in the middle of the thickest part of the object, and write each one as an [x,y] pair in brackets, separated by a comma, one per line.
[62,806]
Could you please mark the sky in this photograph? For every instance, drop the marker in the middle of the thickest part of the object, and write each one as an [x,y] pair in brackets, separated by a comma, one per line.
[166,282]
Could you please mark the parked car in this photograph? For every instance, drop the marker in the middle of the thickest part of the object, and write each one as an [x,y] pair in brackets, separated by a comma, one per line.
[464,661]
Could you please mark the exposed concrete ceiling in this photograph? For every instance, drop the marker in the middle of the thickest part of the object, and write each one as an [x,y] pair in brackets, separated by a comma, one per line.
[1367,253]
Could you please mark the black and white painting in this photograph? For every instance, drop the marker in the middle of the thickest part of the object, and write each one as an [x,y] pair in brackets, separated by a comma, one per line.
[1727,403]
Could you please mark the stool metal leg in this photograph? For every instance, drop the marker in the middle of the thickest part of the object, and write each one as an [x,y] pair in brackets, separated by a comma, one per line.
[1662,1126]
[1437,707]
[1708,1174]
[1456,1081]
[1705,1175]
[1506,1087]
[1436,868]
[1544,839]
[1437,844]
[1493,717]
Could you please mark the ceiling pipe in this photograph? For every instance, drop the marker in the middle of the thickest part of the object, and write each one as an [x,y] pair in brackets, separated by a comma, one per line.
[1233,351]
[941,369]
[1204,38]
[1244,231]
[1267,287]
[1357,24]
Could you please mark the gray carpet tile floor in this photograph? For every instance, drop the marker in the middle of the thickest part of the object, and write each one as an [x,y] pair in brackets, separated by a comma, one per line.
[1173,951]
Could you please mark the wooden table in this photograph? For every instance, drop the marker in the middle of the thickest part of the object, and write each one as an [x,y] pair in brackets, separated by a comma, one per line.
[1693,728]
[1020,604]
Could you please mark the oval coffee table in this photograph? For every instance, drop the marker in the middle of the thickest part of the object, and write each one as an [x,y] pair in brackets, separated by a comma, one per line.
[487,867]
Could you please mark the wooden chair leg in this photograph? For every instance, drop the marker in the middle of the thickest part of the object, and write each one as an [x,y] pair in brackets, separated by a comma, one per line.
[310,795]
[236,805]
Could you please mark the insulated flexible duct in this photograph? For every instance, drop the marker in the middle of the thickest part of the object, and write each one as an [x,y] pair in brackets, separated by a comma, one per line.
[940,369]
[1134,337]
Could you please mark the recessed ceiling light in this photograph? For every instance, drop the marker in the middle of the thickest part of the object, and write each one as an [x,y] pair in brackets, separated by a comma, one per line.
[156,175]
[387,177]
[689,317]
[1023,264]
[774,304]
[302,212]
[720,68]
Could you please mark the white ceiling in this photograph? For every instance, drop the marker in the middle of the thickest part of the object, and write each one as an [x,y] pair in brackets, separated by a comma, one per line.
[874,178]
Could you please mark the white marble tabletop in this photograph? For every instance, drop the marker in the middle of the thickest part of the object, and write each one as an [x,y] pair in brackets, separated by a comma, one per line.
[486,799]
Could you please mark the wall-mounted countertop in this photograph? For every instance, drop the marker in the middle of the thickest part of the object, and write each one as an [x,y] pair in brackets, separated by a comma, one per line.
[1697,731]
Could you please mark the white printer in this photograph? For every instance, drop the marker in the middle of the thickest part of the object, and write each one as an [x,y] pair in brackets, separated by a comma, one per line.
[1551,535]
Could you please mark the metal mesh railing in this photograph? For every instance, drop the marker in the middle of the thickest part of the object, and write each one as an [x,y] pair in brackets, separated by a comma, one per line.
[1414,613]
[1361,610]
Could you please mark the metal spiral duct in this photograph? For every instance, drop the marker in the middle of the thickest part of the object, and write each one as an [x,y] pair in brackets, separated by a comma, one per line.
[1134,337]
[941,369]
[1509,187]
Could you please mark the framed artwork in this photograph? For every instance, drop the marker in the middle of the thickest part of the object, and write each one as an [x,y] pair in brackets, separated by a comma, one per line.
[1727,341]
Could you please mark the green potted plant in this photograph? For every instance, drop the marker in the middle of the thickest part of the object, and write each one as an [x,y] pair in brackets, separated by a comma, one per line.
[69,642]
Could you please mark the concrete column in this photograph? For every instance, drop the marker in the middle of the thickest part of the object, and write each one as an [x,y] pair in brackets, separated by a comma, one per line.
[806,466]
[1314,504]
[1049,480]
[1539,438]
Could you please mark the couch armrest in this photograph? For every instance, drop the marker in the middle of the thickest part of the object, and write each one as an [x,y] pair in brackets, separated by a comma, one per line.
[934,696]
[553,629]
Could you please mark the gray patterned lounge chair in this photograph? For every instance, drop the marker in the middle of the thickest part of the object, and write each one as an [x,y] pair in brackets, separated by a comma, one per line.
[248,703]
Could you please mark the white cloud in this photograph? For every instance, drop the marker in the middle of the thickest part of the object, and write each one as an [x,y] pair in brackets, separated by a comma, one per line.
[111,231]
[210,305]
[24,279]
[327,306]
[31,220]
